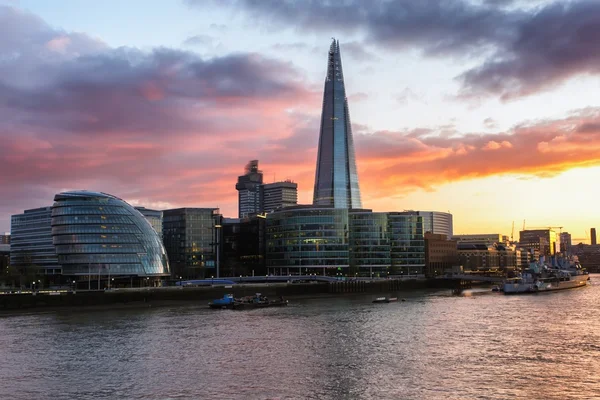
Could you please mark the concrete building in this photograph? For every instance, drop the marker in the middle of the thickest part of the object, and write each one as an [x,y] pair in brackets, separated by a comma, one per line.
[588,255]
[542,240]
[5,239]
[191,237]
[441,254]
[248,187]
[565,242]
[278,195]
[479,238]
[486,257]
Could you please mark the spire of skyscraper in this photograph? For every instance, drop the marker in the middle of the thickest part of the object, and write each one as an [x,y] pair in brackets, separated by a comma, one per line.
[336,179]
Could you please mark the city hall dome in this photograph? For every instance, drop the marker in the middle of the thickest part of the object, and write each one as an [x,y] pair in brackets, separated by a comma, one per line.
[101,234]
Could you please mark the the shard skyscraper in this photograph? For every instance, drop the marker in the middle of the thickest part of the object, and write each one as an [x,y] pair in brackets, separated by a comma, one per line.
[336,180]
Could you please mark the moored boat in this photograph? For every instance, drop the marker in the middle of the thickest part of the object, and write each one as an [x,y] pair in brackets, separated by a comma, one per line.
[542,278]
[256,301]
[385,299]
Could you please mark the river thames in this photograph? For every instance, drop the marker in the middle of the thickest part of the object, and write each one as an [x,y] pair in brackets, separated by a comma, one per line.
[480,345]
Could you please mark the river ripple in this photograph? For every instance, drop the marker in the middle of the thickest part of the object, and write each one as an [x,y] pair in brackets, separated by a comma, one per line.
[433,346]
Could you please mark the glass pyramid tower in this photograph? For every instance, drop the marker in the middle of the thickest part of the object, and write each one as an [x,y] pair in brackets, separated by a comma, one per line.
[336,180]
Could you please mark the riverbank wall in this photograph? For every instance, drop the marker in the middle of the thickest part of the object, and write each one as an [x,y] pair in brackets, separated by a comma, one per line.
[149,296]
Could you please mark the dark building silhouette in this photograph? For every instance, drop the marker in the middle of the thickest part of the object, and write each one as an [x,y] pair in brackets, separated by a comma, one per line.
[336,179]
[593,236]
[191,237]
[248,187]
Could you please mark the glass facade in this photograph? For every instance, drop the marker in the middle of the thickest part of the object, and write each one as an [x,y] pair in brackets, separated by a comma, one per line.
[155,217]
[190,238]
[437,222]
[407,243]
[31,242]
[369,243]
[307,240]
[336,180]
[96,233]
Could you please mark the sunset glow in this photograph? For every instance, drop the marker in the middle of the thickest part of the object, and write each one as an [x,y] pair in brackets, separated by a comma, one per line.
[164,106]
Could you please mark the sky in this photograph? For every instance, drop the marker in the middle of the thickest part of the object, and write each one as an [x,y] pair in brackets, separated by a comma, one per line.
[486,108]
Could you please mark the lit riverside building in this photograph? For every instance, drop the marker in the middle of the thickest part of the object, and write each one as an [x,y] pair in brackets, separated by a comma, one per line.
[88,234]
[335,235]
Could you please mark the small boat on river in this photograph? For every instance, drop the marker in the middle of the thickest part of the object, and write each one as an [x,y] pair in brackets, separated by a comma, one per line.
[385,299]
[247,302]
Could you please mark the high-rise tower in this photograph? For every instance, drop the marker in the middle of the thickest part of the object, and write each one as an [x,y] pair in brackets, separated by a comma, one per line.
[336,179]
[248,186]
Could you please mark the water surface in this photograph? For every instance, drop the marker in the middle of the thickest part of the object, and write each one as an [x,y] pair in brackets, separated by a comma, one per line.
[433,346]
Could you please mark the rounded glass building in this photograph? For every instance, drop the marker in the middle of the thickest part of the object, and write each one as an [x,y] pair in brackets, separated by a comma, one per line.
[99,234]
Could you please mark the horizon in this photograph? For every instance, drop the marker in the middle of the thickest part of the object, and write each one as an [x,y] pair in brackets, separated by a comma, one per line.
[443,119]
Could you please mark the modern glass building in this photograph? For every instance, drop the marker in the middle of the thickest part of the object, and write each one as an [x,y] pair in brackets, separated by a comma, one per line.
[407,243]
[336,179]
[31,242]
[155,217]
[98,234]
[191,237]
[369,243]
[307,239]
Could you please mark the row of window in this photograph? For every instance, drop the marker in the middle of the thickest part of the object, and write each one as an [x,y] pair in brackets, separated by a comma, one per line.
[92,219]
[87,210]
[99,248]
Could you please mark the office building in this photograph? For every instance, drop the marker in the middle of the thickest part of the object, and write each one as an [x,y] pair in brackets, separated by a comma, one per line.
[278,195]
[487,239]
[565,242]
[5,239]
[369,243]
[542,240]
[437,222]
[99,234]
[248,187]
[441,254]
[593,237]
[407,243]
[307,239]
[31,249]
[154,217]
[191,237]
[496,257]
[336,241]
[336,178]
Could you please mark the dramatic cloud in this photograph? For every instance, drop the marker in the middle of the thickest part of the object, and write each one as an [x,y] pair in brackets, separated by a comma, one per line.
[158,126]
[425,159]
[523,50]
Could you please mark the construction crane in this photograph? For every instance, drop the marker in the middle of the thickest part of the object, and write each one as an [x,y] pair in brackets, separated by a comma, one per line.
[512,232]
